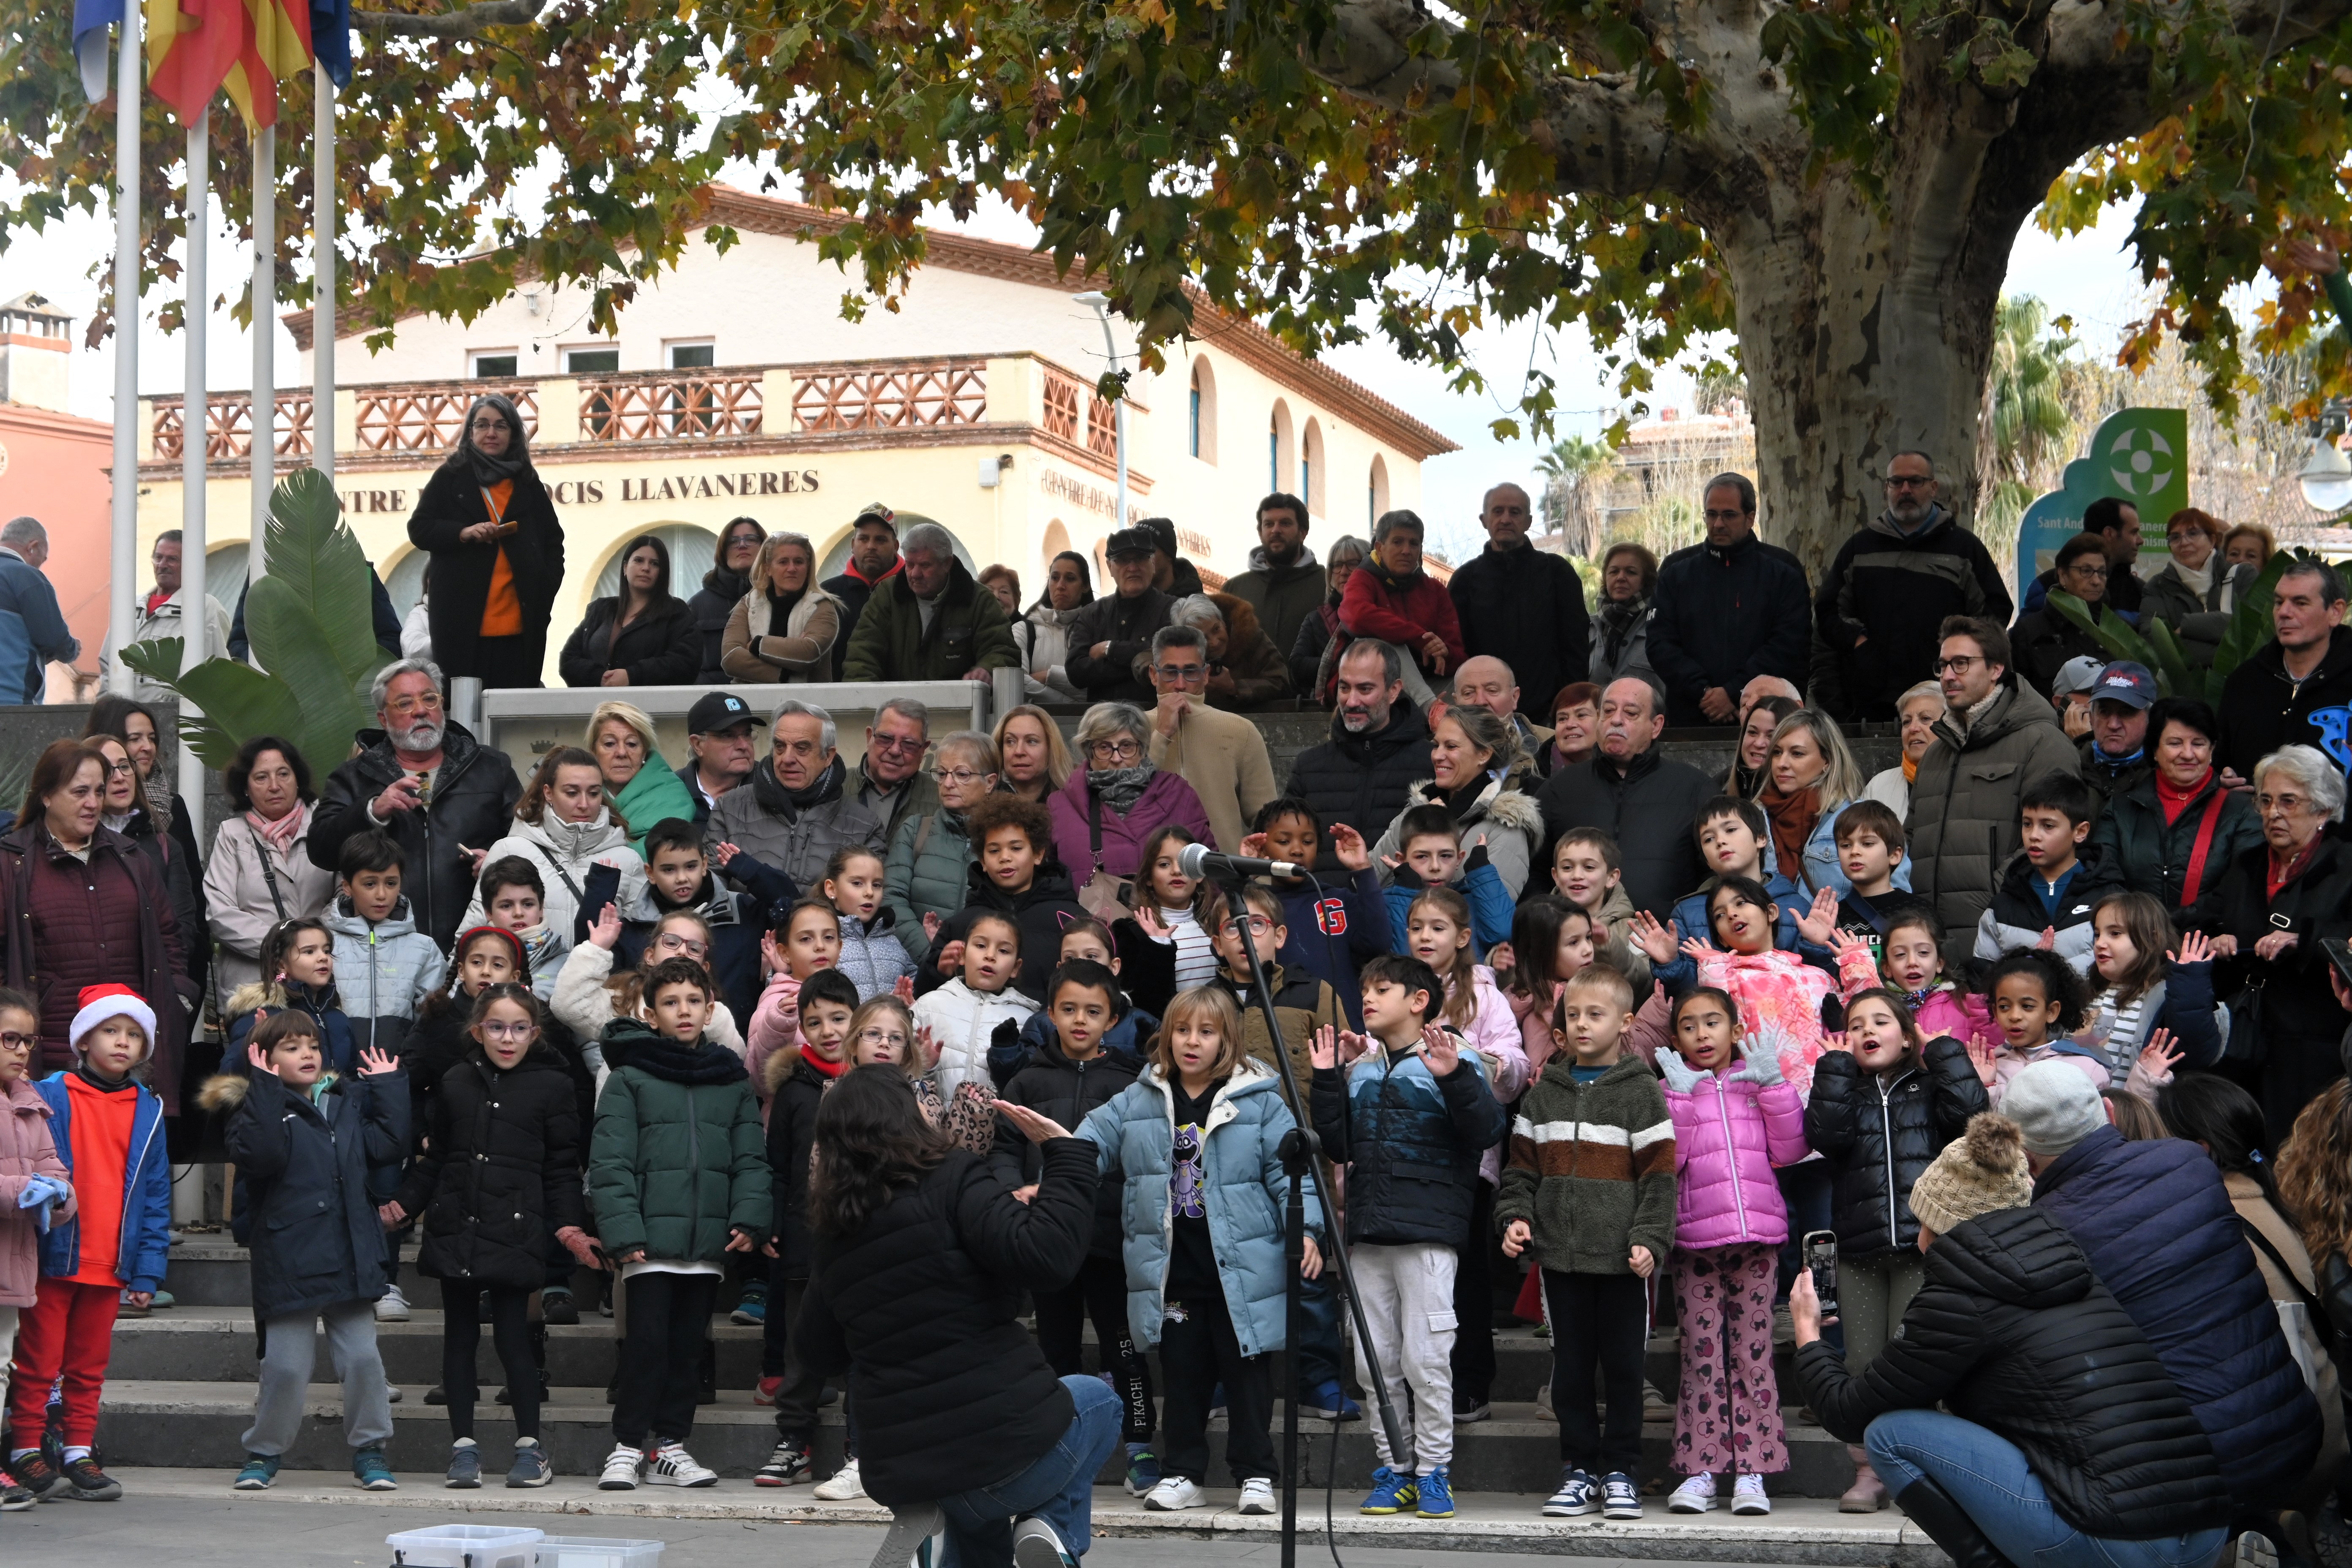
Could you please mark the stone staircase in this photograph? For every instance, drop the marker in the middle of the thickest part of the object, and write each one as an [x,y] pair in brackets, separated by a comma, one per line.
[180,1390]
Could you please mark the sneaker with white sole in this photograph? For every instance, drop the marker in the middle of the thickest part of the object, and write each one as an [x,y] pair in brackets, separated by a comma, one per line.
[1747,1496]
[392,1307]
[1035,1545]
[1258,1495]
[1696,1495]
[621,1468]
[1578,1495]
[1620,1498]
[843,1484]
[1174,1492]
[669,1465]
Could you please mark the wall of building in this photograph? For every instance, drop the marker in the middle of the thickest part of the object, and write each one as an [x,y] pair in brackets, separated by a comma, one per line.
[55,467]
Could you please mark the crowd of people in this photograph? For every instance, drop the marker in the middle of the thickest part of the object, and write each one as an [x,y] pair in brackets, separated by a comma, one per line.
[885,1057]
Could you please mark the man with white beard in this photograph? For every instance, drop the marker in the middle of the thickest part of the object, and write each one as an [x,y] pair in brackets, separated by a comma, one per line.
[442,795]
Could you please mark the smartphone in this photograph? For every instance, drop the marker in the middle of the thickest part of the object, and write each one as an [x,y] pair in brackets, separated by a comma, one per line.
[2339,954]
[1820,1256]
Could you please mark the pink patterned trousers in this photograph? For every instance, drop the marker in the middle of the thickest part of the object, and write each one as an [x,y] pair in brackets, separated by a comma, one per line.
[1727,1418]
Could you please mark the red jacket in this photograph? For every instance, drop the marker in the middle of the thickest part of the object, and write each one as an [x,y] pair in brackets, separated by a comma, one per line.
[1379,606]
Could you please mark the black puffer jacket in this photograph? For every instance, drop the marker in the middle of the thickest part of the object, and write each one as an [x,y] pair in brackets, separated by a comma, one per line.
[1646,807]
[793,1088]
[501,1171]
[1361,779]
[1040,915]
[922,1306]
[712,602]
[1724,616]
[659,648]
[1057,1086]
[1877,1138]
[2299,1019]
[439,1041]
[2013,1331]
[473,802]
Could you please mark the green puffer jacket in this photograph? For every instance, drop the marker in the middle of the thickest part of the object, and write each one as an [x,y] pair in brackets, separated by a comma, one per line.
[968,631]
[678,1159]
[928,873]
[2132,836]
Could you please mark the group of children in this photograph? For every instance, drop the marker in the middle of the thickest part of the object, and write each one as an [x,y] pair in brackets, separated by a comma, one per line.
[1622,1101]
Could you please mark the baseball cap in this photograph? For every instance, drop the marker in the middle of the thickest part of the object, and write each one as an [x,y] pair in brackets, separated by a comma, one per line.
[716,710]
[1128,541]
[2126,682]
[2078,674]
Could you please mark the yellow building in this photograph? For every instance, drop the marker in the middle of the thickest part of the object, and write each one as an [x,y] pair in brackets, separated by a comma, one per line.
[734,387]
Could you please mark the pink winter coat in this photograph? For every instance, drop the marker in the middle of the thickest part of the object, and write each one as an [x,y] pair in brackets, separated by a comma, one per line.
[27,1150]
[1168,802]
[1778,990]
[1961,1014]
[1727,1137]
[1535,1014]
[775,1029]
[1494,1033]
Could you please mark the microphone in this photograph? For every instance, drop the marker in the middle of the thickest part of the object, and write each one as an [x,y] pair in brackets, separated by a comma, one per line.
[1199,862]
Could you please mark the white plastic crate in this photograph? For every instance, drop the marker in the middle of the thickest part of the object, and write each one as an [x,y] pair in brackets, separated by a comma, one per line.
[597,1551]
[464,1546]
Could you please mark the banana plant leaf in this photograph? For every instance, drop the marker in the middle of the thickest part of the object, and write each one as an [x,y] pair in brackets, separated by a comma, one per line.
[2108,631]
[2250,624]
[2175,676]
[314,556]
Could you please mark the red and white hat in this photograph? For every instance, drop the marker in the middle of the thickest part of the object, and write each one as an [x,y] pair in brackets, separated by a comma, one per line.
[100,1003]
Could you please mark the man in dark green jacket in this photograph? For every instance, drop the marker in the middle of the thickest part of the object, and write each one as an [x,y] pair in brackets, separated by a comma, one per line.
[1283,584]
[932,621]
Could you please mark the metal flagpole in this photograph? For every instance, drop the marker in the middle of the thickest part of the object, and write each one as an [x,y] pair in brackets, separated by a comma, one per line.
[265,328]
[195,623]
[122,587]
[322,305]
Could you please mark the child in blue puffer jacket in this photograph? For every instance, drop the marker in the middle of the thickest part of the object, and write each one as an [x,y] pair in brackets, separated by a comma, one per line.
[1194,1144]
[871,952]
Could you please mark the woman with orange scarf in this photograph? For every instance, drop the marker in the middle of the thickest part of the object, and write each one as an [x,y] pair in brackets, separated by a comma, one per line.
[1811,778]
[1919,708]
[497,549]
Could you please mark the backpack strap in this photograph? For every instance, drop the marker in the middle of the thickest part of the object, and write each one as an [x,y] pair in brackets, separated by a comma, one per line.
[2320,1323]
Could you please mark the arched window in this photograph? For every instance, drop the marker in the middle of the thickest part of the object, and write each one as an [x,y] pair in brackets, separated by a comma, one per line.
[1376,490]
[1310,466]
[1201,412]
[1279,447]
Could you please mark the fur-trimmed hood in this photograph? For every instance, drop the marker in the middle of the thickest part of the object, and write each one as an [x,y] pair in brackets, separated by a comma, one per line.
[1504,802]
[778,1069]
[1241,619]
[224,1091]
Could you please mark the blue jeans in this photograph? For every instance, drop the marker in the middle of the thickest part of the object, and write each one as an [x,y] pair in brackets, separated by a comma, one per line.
[1059,1489]
[1986,1476]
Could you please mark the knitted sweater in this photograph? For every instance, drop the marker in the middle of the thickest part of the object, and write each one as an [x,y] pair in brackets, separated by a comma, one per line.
[1592,1168]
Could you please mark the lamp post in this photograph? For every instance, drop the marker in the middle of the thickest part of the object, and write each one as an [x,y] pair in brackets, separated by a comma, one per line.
[2325,478]
[1095,300]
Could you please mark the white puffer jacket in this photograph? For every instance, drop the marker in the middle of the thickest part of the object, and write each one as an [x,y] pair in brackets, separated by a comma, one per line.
[558,849]
[1049,654]
[961,1022]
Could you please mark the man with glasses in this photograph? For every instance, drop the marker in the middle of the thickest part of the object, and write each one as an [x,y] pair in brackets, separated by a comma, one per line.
[1727,612]
[1901,576]
[1996,737]
[422,777]
[1631,790]
[799,808]
[1221,755]
[891,783]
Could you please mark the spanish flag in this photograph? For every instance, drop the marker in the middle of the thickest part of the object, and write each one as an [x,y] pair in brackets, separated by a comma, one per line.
[276,44]
[191,45]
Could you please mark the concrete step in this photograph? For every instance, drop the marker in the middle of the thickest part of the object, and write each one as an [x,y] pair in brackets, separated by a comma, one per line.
[198,1424]
[1798,1530]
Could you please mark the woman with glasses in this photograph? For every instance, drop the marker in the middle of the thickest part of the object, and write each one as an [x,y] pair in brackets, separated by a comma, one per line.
[2197,592]
[135,725]
[2273,907]
[723,587]
[931,863]
[1102,817]
[564,825]
[2045,640]
[1069,588]
[639,784]
[591,992]
[497,549]
[127,814]
[260,872]
[1033,761]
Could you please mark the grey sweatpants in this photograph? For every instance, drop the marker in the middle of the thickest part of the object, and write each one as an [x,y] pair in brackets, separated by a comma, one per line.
[1874,1293]
[1407,1290]
[288,1352]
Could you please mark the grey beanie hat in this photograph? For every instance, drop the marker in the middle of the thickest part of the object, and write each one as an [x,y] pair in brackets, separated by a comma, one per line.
[2054,1106]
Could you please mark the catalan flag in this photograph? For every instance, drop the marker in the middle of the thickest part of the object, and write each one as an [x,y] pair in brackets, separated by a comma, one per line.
[276,44]
[191,45]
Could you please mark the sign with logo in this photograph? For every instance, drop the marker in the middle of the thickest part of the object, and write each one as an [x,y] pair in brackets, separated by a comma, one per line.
[2140,455]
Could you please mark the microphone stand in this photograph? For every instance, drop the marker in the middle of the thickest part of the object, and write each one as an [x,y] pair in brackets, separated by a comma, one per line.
[1299,1150]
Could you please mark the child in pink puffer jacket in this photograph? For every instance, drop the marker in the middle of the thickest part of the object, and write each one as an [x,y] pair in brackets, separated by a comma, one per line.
[1731,1128]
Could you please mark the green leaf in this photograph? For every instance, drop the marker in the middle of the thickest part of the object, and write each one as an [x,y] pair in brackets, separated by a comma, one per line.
[314,554]
[239,703]
[329,703]
[2109,632]
[2250,624]
[157,659]
[2173,677]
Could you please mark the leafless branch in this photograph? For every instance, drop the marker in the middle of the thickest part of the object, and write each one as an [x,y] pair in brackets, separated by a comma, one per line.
[468,23]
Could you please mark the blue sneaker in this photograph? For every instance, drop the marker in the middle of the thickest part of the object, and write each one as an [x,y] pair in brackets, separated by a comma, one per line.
[1331,1402]
[1142,1468]
[260,1473]
[751,1311]
[370,1472]
[1391,1492]
[1578,1495]
[1436,1495]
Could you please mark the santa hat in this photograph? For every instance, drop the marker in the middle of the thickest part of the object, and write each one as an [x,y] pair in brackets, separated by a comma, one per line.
[100,1003]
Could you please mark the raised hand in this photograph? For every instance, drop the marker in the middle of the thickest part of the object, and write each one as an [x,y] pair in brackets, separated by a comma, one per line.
[1440,1049]
[904,989]
[1680,1076]
[1353,1046]
[1253,847]
[1349,847]
[254,1055]
[1841,943]
[1986,1059]
[1147,915]
[1323,1048]
[1834,1040]
[374,1063]
[1653,937]
[606,933]
[1698,950]
[931,928]
[1501,959]
[721,854]
[2157,1058]
[2195,948]
[952,959]
[1816,923]
[1760,1055]
[2048,940]
[1034,1125]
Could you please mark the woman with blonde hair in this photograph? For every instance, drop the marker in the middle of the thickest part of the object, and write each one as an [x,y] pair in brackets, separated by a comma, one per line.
[785,628]
[1033,760]
[1920,708]
[638,782]
[1811,778]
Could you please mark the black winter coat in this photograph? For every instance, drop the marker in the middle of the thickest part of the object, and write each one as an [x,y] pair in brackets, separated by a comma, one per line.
[1876,1138]
[453,502]
[1361,779]
[853,591]
[921,1305]
[177,870]
[501,1171]
[793,1088]
[304,1168]
[2013,1331]
[1411,1141]
[473,802]
[1065,1090]
[659,648]
[1894,590]
[2299,1020]
[1127,625]
[1041,914]
[1647,807]
[1526,608]
[2157,1224]
[438,1041]
[2263,709]
[2043,641]
[709,609]
[2154,857]
[1723,617]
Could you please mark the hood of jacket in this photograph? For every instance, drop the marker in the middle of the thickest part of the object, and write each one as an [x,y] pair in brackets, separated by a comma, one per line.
[577,842]
[1938,520]
[726,583]
[1395,583]
[224,1092]
[1251,1077]
[340,920]
[1045,1049]
[1405,728]
[2021,1256]
[1504,802]
[630,1043]
[281,994]
[1242,627]
[1260,562]
[1558,1071]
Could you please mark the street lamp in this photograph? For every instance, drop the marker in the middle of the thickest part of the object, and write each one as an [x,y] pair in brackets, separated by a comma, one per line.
[2325,478]
[1095,300]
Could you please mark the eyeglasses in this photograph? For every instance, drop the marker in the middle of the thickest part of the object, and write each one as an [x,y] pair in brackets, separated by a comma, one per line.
[959,777]
[1180,674]
[1733,516]
[2287,805]
[15,1044]
[881,1034]
[1910,481]
[116,770]
[897,744]
[1956,665]
[670,942]
[1258,926]
[1116,751]
[484,426]
[508,1031]
[429,702]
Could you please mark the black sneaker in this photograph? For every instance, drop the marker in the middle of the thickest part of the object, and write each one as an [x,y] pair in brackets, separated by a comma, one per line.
[85,1482]
[558,1306]
[437,1395]
[789,1466]
[15,1499]
[1469,1407]
[35,1473]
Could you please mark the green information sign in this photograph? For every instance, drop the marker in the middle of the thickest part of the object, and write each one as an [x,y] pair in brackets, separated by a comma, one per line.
[2140,455]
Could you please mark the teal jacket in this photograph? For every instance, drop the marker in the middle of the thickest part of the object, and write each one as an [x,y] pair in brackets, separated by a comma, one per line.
[677,1160]
[656,794]
[1247,1191]
[928,873]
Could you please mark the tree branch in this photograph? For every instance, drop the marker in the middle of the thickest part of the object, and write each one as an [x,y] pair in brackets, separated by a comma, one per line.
[468,23]
[2081,32]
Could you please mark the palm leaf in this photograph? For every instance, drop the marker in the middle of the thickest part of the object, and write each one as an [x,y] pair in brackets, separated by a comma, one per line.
[2174,674]
[2250,624]
[329,703]
[237,703]
[157,659]
[2108,631]
[314,553]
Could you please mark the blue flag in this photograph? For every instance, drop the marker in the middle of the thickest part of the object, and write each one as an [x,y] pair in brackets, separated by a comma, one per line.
[91,19]
[331,37]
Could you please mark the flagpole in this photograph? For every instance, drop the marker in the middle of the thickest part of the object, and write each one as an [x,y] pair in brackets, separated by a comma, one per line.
[322,300]
[123,563]
[195,620]
[265,329]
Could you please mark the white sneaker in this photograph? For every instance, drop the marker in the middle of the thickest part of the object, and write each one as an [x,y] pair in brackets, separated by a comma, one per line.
[669,1465]
[841,1486]
[621,1466]
[1258,1495]
[1747,1496]
[1035,1545]
[1696,1495]
[1172,1493]
[392,1307]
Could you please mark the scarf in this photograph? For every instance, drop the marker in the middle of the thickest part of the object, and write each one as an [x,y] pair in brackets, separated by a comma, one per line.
[782,606]
[2282,875]
[1793,818]
[830,1069]
[777,801]
[1910,770]
[279,835]
[1459,800]
[1619,619]
[726,584]
[578,840]
[487,469]
[2176,801]
[2198,583]
[1120,788]
[1260,562]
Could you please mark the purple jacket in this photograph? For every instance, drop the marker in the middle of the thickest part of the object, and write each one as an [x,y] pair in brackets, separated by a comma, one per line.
[1727,1137]
[1167,800]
